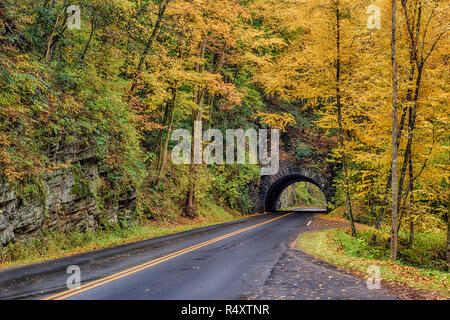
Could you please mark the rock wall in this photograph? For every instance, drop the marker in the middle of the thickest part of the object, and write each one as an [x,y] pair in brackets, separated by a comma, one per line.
[69,199]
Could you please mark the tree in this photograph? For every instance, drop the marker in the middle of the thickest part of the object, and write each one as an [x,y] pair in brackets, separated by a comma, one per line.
[337,7]
[161,10]
[448,242]
[394,187]
[420,53]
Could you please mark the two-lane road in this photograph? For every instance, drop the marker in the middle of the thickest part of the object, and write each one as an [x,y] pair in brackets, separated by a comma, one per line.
[224,263]
[220,265]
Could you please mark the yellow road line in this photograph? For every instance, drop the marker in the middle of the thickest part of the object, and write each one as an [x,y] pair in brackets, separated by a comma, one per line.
[127,270]
[105,280]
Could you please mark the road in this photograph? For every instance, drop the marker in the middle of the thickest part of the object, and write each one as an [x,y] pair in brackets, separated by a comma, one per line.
[235,261]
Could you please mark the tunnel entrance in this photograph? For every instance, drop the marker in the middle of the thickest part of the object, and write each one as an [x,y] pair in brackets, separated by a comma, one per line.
[270,188]
[275,191]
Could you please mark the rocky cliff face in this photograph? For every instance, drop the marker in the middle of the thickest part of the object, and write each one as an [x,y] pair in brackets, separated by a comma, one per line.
[69,199]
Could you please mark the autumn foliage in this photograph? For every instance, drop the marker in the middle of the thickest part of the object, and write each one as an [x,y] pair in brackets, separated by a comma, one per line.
[138,69]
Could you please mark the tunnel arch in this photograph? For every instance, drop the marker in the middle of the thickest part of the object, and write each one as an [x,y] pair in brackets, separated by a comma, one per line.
[272,198]
[271,187]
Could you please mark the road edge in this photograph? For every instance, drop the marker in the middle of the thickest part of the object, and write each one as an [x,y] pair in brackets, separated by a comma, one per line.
[19,273]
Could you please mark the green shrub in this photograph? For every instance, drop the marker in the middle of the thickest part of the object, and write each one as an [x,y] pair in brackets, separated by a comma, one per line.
[427,252]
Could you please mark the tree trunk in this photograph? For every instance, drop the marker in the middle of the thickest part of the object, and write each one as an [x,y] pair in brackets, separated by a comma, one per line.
[411,202]
[88,44]
[190,202]
[48,52]
[394,187]
[196,116]
[159,138]
[285,199]
[148,46]
[448,240]
[339,117]
[389,179]
[409,99]
[52,40]
[165,143]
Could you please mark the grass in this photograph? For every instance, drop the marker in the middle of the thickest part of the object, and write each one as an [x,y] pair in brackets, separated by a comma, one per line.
[430,240]
[340,249]
[55,245]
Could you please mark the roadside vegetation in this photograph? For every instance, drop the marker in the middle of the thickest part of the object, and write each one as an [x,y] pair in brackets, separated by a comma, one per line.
[53,245]
[421,267]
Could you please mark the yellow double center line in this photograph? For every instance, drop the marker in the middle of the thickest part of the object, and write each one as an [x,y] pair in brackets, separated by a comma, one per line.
[102,281]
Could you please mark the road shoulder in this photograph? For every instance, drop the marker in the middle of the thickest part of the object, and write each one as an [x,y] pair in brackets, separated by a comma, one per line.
[300,276]
[316,242]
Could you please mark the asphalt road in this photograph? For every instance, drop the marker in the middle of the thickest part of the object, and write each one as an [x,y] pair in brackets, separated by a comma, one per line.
[234,261]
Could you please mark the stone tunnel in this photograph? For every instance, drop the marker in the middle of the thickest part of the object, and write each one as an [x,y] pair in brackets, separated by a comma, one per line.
[267,192]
